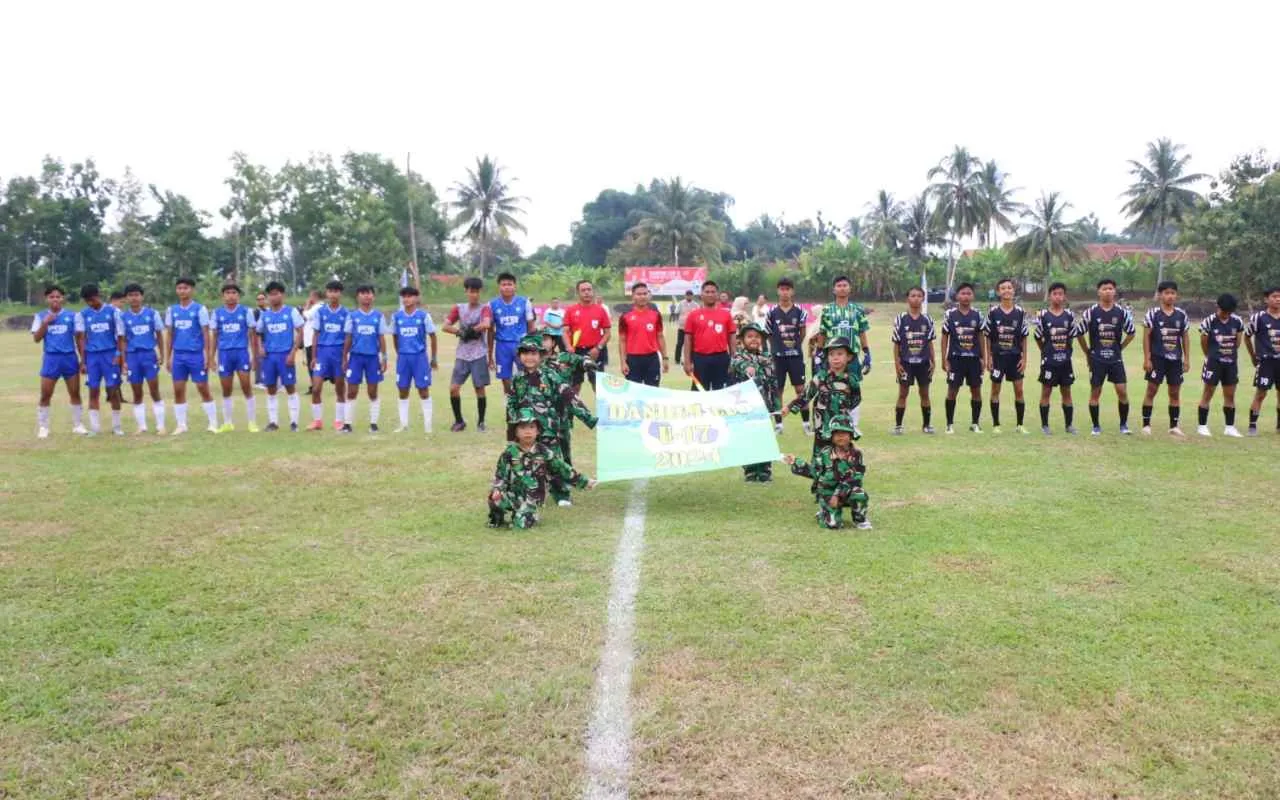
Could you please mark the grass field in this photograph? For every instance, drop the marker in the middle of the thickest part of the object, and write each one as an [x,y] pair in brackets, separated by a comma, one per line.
[309,615]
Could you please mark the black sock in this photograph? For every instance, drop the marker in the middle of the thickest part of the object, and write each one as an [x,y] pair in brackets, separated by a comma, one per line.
[1124,413]
[898,414]
[1174,413]
[1202,414]
[481,404]
[926,412]
[1069,412]
[1020,411]
[456,404]
[1228,414]
[1093,413]
[975,411]
[995,414]
[804,414]
[1044,415]
[1146,415]
[1253,418]
[951,412]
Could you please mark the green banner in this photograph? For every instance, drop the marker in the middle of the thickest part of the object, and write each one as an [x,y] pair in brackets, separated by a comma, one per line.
[648,432]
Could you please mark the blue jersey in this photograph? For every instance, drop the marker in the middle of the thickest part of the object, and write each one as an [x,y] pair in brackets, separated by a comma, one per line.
[101,328]
[277,329]
[511,320]
[186,325]
[140,329]
[365,330]
[233,326]
[61,336]
[411,331]
[330,326]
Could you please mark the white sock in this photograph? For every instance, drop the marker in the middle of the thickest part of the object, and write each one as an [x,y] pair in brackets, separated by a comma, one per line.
[180,413]
[426,414]
[339,411]
[42,416]
[157,407]
[94,422]
[226,409]
[115,419]
[351,412]
[273,409]
[211,411]
[251,409]
[404,413]
[375,406]
[317,411]
[295,406]
[140,415]
[855,415]
[77,416]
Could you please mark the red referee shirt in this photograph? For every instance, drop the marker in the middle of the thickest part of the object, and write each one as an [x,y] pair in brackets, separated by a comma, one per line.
[589,322]
[711,329]
[641,327]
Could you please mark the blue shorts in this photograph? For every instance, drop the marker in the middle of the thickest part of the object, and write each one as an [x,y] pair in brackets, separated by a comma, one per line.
[363,369]
[142,366]
[187,365]
[233,361]
[101,367]
[275,369]
[328,362]
[60,365]
[505,356]
[415,368]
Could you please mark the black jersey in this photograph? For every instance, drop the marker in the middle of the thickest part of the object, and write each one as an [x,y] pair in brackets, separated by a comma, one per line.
[1167,331]
[1007,330]
[1264,330]
[1056,331]
[963,330]
[1224,337]
[786,330]
[1106,329]
[912,335]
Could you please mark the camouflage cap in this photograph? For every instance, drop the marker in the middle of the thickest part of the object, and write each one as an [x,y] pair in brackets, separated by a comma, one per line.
[752,326]
[839,343]
[531,343]
[840,422]
[525,416]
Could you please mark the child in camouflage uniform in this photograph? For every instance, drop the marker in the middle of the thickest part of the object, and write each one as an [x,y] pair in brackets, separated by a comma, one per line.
[833,390]
[751,363]
[520,480]
[566,364]
[837,471]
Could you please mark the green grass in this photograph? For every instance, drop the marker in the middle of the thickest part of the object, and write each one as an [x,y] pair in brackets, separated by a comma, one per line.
[316,616]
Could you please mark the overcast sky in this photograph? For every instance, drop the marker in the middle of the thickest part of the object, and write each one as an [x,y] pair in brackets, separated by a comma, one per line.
[791,107]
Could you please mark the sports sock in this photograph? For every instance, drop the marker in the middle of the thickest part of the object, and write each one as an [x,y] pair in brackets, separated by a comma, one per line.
[77,415]
[317,411]
[481,403]
[1202,415]
[210,411]
[42,416]
[226,409]
[1228,415]
[375,410]
[804,414]
[1124,413]
[140,415]
[455,403]
[855,416]
[1069,413]
[975,411]
[926,414]
[1146,415]
[1094,410]
[1020,411]
[273,408]
[295,408]
[339,411]
[1044,415]
[1174,413]
[995,414]
[250,409]
[951,411]
[115,419]
[898,413]
[94,422]
[1253,418]
[180,413]
[351,412]
[157,408]
[403,408]
[426,414]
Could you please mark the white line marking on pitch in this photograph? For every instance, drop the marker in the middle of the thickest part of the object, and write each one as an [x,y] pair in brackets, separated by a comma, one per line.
[609,735]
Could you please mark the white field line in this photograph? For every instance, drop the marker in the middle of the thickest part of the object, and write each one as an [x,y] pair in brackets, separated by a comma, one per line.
[609,735]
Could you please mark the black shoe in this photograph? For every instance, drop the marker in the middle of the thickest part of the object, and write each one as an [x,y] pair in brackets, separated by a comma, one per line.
[373,427]
[765,479]
[458,426]
[271,426]
[346,428]
[293,427]
[480,427]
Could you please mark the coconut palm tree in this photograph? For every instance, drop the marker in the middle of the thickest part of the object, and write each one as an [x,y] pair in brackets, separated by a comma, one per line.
[1047,237]
[882,224]
[1159,194]
[957,187]
[997,197]
[921,229]
[680,222]
[486,207]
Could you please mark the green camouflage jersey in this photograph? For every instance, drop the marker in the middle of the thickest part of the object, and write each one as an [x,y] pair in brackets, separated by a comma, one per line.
[760,369]
[521,480]
[847,322]
[831,395]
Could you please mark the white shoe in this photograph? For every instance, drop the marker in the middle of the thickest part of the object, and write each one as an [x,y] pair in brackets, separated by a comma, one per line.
[117,431]
[865,525]
[1146,430]
[1231,431]
[975,428]
[402,429]
[565,503]
[1203,430]
[1177,432]
[808,429]
[212,428]
[80,430]
[178,431]
[777,428]
[42,433]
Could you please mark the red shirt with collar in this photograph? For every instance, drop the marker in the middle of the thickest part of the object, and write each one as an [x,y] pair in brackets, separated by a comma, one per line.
[641,327]
[589,322]
[712,330]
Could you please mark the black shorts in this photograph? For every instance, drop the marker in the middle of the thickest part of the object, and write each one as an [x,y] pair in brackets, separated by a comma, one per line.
[965,371]
[580,374]
[1101,372]
[646,369]
[1215,373]
[1059,373]
[918,374]
[711,370]
[1162,369]
[1005,367]
[790,368]
[1267,374]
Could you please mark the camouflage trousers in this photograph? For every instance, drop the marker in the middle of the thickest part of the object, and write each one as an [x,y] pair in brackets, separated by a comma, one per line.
[831,514]
[758,473]
[522,508]
[558,489]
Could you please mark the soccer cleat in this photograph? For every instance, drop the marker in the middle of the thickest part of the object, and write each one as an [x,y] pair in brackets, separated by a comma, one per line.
[272,427]
[252,427]
[80,430]
[337,425]
[1046,430]
[1124,431]
[226,427]
[565,503]
[373,427]
[950,429]
[1022,429]
[402,429]
[1096,431]
[865,525]
[458,426]
[808,429]
[346,429]
[1203,430]
[975,428]
[1146,430]
[212,428]
[927,429]
[1071,430]
[42,433]
[1253,430]
[897,430]
[777,428]
[480,428]
[1177,432]
[1231,431]
[318,425]
[996,430]
[293,427]
[178,431]
[117,431]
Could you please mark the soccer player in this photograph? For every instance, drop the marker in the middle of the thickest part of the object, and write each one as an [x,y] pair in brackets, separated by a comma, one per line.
[279,331]
[144,353]
[513,319]
[1100,329]
[329,322]
[261,301]
[787,323]
[411,327]
[844,319]
[117,300]
[586,332]
[187,344]
[308,331]
[1007,331]
[641,343]
[101,345]
[56,330]
[1055,328]
[1220,335]
[233,330]
[1166,354]
[913,337]
[364,355]
[469,321]
[1262,338]
[964,355]
[710,331]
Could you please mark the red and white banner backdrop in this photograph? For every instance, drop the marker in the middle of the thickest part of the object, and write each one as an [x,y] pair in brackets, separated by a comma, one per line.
[665,281]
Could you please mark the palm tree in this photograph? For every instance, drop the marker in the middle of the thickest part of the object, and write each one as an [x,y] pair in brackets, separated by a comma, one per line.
[921,229]
[1159,194]
[682,221]
[1048,237]
[960,200]
[882,225]
[997,197]
[486,207]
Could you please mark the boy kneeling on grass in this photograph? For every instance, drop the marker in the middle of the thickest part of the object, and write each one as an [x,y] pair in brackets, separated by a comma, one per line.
[524,469]
[836,470]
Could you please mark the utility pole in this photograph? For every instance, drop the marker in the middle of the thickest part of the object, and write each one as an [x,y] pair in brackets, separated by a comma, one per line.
[413,238]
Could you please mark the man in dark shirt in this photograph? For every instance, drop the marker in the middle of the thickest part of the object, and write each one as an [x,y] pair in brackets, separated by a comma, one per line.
[1055,328]
[913,337]
[1262,338]
[787,323]
[1220,342]
[1100,330]
[1007,331]
[1166,354]
[964,355]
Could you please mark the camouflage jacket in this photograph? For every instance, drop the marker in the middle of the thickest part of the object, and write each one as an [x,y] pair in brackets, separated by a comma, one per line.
[550,396]
[833,470]
[759,368]
[830,394]
[525,473]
